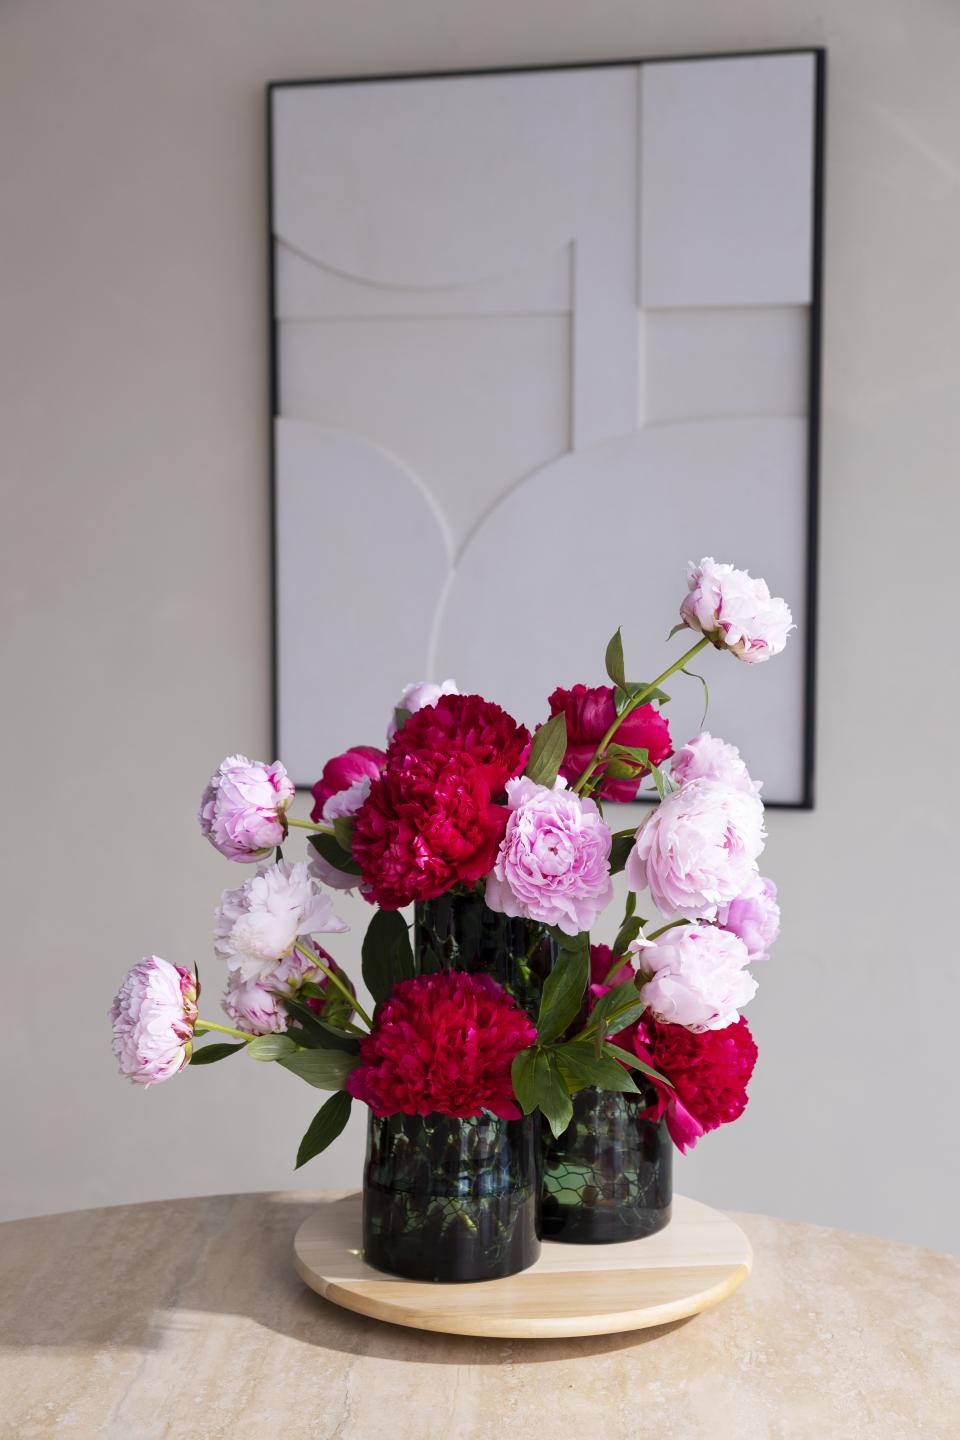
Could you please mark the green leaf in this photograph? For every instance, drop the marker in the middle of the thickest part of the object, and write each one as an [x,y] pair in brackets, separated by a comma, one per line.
[619,850]
[618,1053]
[615,1010]
[630,907]
[553,1097]
[400,716]
[563,991]
[626,762]
[547,751]
[329,848]
[613,660]
[343,834]
[386,953]
[628,932]
[270,1047]
[623,694]
[662,781]
[681,625]
[309,1032]
[325,1126]
[706,692]
[326,1069]
[210,1054]
[522,1073]
[578,1057]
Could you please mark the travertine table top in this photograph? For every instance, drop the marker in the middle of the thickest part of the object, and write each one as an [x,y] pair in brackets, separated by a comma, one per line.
[185,1319]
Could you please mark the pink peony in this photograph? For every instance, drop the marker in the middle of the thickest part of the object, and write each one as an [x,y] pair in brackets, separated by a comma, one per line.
[755,916]
[735,612]
[699,977]
[698,849]
[554,862]
[443,1044]
[345,782]
[709,1073]
[428,824]
[258,923]
[255,1005]
[416,696]
[589,714]
[705,757]
[154,1015]
[243,810]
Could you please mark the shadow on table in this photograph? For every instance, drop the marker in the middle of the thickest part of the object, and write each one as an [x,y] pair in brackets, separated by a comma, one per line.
[67,1284]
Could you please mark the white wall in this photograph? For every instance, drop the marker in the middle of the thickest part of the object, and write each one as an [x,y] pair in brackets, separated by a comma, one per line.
[135,580]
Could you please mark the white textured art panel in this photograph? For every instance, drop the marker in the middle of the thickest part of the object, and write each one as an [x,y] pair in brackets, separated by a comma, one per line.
[727,182]
[542,337]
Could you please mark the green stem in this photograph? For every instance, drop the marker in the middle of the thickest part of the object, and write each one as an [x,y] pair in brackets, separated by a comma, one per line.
[244,1035]
[309,825]
[314,959]
[616,967]
[664,928]
[632,705]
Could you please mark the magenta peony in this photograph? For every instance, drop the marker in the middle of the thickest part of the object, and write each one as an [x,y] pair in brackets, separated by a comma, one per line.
[554,862]
[243,810]
[443,1044]
[707,758]
[154,1015]
[709,1072]
[345,782]
[735,612]
[464,725]
[699,977]
[258,922]
[698,849]
[256,1006]
[416,696]
[427,825]
[589,714]
[755,916]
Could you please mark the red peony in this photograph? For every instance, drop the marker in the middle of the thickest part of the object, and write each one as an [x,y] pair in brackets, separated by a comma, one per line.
[709,1071]
[589,714]
[426,824]
[358,763]
[443,1044]
[465,725]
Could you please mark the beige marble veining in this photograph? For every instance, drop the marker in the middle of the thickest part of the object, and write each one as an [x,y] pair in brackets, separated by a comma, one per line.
[185,1319]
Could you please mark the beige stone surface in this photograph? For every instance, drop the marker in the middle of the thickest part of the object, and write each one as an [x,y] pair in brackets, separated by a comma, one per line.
[186,1319]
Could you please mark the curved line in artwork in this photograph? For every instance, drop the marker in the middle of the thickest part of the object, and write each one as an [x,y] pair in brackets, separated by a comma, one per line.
[355,278]
[416,481]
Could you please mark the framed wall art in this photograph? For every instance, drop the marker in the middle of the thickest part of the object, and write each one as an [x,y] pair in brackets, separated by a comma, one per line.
[540,337]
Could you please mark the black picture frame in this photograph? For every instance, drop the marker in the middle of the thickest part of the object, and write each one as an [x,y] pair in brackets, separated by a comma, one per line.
[814,357]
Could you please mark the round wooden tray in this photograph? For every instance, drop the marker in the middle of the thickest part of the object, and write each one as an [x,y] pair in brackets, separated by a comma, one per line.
[697,1261]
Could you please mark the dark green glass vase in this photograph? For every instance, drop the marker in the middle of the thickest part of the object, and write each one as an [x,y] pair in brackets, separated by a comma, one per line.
[459,932]
[609,1176]
[454,1200]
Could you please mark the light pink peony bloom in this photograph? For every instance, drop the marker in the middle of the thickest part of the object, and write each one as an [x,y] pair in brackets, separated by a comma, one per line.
[755,916]
[258,922]
[706,757]
[735,612]
[553,864]
[417,696]
[699,979]
[255,1005]
[243,809]
[698,850]
[154,1015]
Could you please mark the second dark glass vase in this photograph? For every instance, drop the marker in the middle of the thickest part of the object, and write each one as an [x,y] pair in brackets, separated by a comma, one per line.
[451,1200]
[609,1176]
[460,932]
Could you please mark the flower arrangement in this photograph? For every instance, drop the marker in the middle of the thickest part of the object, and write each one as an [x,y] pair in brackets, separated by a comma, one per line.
[463,799]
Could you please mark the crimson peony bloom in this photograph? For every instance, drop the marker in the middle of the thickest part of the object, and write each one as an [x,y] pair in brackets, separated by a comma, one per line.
[443,1044]
[709,1071]
[589,715]
[465,725]
[427,824]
